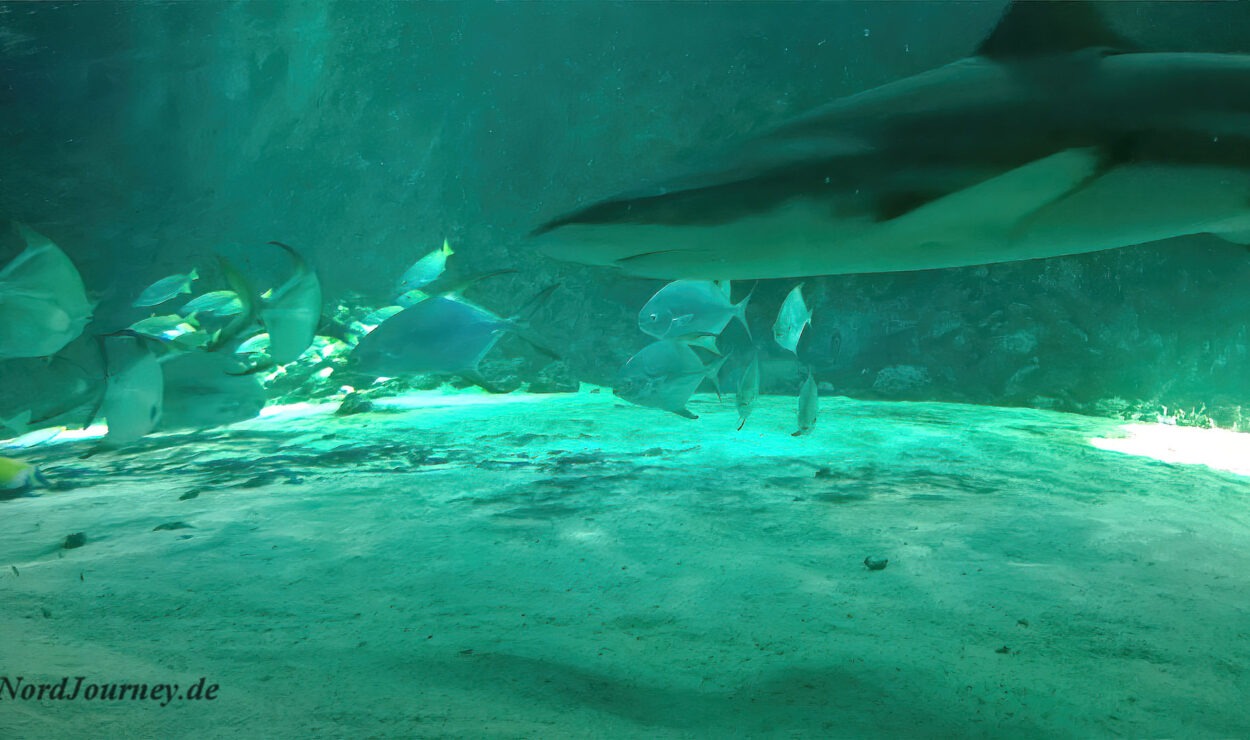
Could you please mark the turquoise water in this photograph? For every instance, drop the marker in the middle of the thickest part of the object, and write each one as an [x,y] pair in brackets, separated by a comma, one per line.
[268,258]
[569,566]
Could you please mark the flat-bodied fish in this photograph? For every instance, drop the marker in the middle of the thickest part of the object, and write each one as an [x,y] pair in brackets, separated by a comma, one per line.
[165,328]
[793,317]
[425,270]
[691,308]
[748,390]
[217,303]
[664,375]
[1057,137]
[166,289]
[134,390]
[291,315]
[43,305]
[809,405]
[204,390]
[440,335]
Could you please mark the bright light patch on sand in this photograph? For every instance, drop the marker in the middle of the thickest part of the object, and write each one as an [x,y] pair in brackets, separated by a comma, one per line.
[1216,448]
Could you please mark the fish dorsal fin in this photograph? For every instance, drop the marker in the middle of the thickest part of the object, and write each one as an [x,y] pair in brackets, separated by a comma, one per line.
[1041,27]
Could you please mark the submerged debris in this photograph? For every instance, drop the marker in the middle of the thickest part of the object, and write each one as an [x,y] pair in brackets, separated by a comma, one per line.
[876,563]
[75,540]
[171,525]
[354,403]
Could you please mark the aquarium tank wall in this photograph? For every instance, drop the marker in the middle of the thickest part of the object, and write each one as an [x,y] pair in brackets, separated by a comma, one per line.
[623,369]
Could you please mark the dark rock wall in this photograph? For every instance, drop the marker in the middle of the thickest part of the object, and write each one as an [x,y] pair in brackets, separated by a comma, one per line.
[146,137]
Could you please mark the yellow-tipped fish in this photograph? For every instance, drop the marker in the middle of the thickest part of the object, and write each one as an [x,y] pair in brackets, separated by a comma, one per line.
[426,270]
[17,476]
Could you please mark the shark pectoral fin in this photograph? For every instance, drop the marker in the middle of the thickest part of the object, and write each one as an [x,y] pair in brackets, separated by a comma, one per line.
[990,210]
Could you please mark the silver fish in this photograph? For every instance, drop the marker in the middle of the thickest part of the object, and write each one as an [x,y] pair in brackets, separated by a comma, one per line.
[165,289]
[216,303]
[165,328]
[988,159]
[133,392]
[253,345]
[793,317]
[691,308]
[809,405]
[664,375]
[291,315]
[204,390]
[43,305]
[440,335]
[748,390]
[425,270]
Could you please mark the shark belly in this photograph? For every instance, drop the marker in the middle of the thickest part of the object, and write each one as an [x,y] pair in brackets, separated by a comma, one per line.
[1060,205]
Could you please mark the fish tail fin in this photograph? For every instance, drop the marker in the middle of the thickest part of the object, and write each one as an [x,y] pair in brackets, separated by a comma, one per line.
[193,276]
[447,250]
[705,342]
[531,306]
[537,344]
[712,370]
[247,303]
[740,310]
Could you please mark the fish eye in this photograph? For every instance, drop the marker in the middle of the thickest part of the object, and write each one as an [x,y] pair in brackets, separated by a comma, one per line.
[655,317]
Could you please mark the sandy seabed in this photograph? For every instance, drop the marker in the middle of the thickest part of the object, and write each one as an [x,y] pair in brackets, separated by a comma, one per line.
[568,566]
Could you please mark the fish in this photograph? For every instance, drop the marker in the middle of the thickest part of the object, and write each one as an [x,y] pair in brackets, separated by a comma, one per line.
[377,316]
[242,288]
[446,286]
[18,476]
[1056,137]
[793,317]
[691,308]
[442,335]
[165,328]
[410,298]
[217,303]
[809,405]
[254,345]
[165,289]
[664,375]
[748,390]
[203,390]
[425,270]
[43,303]
[293,312]
[134,390]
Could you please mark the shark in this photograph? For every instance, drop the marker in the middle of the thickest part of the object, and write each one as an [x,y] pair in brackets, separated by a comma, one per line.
[1056,137]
